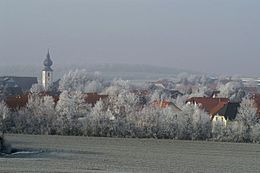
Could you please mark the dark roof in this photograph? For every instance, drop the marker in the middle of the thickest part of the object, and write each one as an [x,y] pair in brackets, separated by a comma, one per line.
[174,93]
[214,93]
[216,109]
[11,91]
[25,83]
[229,110]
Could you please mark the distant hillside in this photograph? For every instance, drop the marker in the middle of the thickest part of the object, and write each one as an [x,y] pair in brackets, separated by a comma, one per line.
[109,71]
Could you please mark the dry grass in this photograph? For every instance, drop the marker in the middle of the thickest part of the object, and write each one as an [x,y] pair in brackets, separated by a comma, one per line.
[89,154]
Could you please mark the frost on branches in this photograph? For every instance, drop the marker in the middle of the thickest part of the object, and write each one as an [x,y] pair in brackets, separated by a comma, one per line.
[247,119]
[4,112]
[82,81]
[70,107]
[124,114]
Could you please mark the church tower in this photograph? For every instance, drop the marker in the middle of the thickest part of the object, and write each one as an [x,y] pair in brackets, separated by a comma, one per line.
[47,72]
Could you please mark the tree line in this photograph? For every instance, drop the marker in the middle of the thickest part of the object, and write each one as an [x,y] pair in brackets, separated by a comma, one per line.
[124,114]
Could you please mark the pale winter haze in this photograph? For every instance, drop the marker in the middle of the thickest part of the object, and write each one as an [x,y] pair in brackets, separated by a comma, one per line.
[215,36]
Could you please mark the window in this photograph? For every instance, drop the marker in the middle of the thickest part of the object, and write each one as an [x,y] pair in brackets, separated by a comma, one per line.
[48,74]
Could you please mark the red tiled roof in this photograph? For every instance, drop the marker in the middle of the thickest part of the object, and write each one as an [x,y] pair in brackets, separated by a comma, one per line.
[161,104]
[16,102]
[256,98]
[165,104]
[217,108]
[93,98]
[209,104]
[55,98]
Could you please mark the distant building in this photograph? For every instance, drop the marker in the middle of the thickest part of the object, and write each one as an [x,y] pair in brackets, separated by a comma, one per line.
[14,85]
[218,121]
[221,110]
[228,110]
[250,80]
[47,72]
[163,104]
[221,115]
[93,98]
[15,103]
[208,104]
[256,98]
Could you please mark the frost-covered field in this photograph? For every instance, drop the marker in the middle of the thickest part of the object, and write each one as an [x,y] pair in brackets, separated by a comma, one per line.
[84,154]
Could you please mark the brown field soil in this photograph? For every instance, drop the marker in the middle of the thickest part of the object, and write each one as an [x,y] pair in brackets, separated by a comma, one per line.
[92,154]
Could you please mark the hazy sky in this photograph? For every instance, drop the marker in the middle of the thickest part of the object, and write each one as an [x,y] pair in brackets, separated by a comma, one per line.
[219,36]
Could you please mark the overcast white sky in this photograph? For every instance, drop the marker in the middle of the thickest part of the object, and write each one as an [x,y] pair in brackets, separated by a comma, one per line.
[219,36]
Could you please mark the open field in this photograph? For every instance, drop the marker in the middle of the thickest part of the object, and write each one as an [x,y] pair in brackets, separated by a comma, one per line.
[89,154]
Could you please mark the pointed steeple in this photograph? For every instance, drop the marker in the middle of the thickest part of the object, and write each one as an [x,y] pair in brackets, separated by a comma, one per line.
[48,54]
[47,62]
[47,72]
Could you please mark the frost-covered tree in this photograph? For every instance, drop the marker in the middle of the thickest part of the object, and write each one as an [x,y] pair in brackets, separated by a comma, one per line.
[37,88]
[112,117]
[118,86]
[25,120]
[94,86]
[218,131]
[33,104]
[167,127]
[156,95]
[193,123]
[70,107]
[4,112]
[237,96]
[247,118]
[100,121]
[256,133]
[230,88]
[147,122]
[201,124]
[185,123]
[200,92]
[40,114]
[121,107]
[232,132]
[81,80]
[49,115]
[181,100]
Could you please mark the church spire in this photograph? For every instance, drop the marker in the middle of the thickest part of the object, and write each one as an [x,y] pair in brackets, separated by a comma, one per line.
[47,62]
[47,72]
[48,54]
